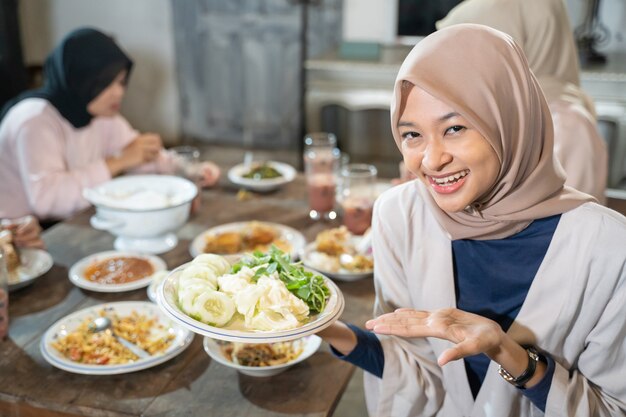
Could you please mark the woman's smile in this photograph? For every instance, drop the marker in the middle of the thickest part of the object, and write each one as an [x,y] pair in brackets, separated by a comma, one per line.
[448,183]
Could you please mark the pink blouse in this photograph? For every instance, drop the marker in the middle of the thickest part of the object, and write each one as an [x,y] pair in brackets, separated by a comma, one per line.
[45,163]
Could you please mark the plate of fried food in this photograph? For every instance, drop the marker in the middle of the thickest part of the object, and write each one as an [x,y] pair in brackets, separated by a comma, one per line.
[234,239]
[262,176]
[72,344]
[115,271]
[340,255]
[262,298]
[24,265]
[262,359]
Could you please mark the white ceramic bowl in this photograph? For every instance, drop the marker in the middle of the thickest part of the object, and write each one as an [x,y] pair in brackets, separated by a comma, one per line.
[142,210]
[235,330]
[311,344]
[236,175]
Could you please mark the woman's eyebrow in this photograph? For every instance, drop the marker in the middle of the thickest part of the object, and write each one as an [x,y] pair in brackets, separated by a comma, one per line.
[448,116]
[441,119]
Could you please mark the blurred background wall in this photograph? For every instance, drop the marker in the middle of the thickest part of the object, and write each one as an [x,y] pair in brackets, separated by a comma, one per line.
[222,71]
[144,30]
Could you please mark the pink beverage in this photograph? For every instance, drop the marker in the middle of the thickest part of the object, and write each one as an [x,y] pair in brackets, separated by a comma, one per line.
[357,214]
[4,314]
[321,189]
[321,161]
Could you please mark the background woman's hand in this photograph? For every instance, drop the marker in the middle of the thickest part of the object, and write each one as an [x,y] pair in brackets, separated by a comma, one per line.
[210,174]
[26,232]
[143,149]
[472,334]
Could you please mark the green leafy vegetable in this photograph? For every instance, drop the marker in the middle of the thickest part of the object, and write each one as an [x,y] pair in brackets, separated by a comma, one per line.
[305,285]
[263,172]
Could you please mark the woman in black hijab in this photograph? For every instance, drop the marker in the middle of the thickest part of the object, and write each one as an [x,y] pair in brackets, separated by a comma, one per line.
[76,71]
[68,135]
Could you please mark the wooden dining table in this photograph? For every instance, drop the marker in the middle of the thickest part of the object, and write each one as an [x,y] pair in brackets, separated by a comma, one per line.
[191,384]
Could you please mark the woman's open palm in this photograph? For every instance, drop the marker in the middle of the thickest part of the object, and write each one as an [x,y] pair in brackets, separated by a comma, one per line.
[472,334]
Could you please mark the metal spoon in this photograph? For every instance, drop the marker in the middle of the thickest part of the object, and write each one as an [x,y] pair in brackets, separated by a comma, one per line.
[103,323]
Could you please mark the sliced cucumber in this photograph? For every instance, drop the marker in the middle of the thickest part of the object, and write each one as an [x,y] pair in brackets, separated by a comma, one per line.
[214,308]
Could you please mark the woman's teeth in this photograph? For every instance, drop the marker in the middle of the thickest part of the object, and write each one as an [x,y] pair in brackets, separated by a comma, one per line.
[451,178]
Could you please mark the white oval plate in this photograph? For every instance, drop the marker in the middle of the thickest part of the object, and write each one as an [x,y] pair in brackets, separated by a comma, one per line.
[213,349]
[236,176]
[124,308]
[35,263]
[341,275]
[234,332]
[291,235]
[77,272]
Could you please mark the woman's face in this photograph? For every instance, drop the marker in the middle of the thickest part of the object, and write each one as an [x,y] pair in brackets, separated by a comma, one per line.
[453,160]
[109,101]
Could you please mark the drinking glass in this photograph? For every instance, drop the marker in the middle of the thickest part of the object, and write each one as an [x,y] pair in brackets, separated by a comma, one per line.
[187,164]
[4,297]
[321,163]
[357,196]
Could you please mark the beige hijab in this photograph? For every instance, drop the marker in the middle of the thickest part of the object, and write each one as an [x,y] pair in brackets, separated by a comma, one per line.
[540,27]
[483,74]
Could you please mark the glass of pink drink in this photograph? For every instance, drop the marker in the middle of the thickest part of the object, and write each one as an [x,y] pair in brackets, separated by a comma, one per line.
[321,163]
[357,195]
[357,214]
[321,190]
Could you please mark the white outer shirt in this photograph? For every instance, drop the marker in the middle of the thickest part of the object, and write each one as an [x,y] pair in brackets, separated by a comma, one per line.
[575,311]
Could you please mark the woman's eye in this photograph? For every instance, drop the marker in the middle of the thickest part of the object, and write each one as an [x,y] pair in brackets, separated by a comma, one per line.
[455,129]
[410,136]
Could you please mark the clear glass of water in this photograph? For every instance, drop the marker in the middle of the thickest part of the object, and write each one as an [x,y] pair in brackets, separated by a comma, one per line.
[187,164]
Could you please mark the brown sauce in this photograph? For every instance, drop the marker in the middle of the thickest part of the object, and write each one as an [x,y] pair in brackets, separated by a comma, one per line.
[118,270]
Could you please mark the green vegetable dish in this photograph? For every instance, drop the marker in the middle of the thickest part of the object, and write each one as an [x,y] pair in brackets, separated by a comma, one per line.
[262,172]
[265,291]
[305,285]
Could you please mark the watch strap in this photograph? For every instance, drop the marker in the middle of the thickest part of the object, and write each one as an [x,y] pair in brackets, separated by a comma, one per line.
[521,380]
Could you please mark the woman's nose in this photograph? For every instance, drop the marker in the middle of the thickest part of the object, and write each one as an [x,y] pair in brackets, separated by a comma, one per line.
[435,156]
[120,89]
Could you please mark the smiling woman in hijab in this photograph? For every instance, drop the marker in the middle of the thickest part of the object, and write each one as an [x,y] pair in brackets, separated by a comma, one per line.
[499,291]
[542,29]
[68,135]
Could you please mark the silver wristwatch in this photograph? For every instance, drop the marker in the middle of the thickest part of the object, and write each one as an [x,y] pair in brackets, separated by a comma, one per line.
[520,381]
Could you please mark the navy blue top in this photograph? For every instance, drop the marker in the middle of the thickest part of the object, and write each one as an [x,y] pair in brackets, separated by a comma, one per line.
[492,279]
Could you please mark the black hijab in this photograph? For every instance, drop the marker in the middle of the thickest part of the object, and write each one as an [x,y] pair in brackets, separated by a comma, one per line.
[78,69]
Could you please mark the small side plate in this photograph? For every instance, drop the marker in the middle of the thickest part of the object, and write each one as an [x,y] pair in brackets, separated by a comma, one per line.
[77,272]
[35,263]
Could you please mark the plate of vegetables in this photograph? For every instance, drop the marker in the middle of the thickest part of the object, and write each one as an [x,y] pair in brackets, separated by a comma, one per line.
[262,176]
[262,298]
